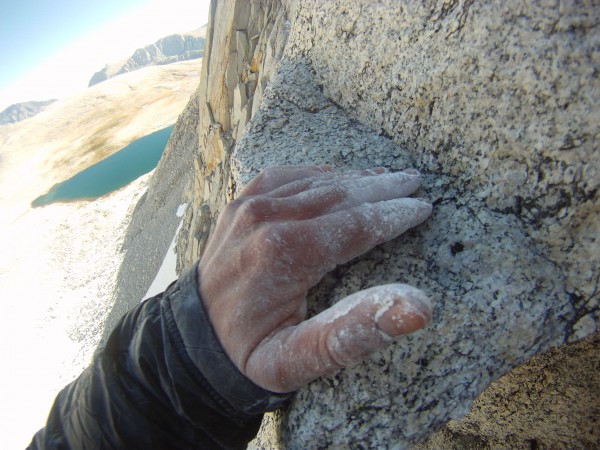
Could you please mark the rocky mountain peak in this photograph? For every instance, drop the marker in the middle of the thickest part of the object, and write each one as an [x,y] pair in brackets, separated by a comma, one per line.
[21,111]
[167,50]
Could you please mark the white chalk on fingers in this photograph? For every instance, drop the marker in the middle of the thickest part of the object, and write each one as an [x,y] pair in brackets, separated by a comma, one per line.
[368,320]
[410,310]
[379,300]
[383,187]
[389,219]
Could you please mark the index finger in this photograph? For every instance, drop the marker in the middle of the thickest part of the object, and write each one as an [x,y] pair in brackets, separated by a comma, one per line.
[275,177]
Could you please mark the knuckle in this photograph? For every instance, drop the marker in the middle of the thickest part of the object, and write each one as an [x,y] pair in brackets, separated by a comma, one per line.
[336,192]
[270,171]
[338,348]
[251,210]
[267,176]
[347,347]
[341,193]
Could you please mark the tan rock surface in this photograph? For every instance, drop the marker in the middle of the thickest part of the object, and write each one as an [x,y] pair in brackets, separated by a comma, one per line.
[552,401]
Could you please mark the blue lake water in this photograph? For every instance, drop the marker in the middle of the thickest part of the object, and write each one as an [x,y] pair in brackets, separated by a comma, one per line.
[112,173]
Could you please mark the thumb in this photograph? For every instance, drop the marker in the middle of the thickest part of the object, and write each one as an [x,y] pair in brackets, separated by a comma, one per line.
[340,336]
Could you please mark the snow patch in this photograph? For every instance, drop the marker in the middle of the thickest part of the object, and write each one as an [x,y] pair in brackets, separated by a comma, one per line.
[167,273]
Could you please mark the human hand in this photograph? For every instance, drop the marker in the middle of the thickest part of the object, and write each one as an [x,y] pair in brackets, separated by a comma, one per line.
[289,227]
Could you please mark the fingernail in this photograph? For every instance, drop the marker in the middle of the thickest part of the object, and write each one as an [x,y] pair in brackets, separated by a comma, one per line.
[412,171]
[410,312]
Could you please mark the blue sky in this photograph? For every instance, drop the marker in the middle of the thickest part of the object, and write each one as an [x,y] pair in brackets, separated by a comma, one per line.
[52,48]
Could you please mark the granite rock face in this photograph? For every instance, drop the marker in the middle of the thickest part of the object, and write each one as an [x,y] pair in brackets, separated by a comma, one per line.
[245,40]
[492,311]
[500,97]
[497,105]
[167,50]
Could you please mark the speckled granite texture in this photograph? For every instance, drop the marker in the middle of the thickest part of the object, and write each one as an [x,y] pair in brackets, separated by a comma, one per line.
[501,96]
[498,105]
[492,310]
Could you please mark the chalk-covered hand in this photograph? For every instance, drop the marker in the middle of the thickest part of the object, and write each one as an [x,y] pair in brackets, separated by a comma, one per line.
[290,226]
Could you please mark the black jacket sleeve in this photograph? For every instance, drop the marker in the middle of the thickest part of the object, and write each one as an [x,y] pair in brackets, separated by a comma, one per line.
[162,381]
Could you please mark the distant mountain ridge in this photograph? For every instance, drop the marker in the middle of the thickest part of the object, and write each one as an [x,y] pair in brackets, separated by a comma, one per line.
[167,50]
[21,111]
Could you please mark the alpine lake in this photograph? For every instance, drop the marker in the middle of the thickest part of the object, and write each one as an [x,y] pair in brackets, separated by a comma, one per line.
[112,173]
